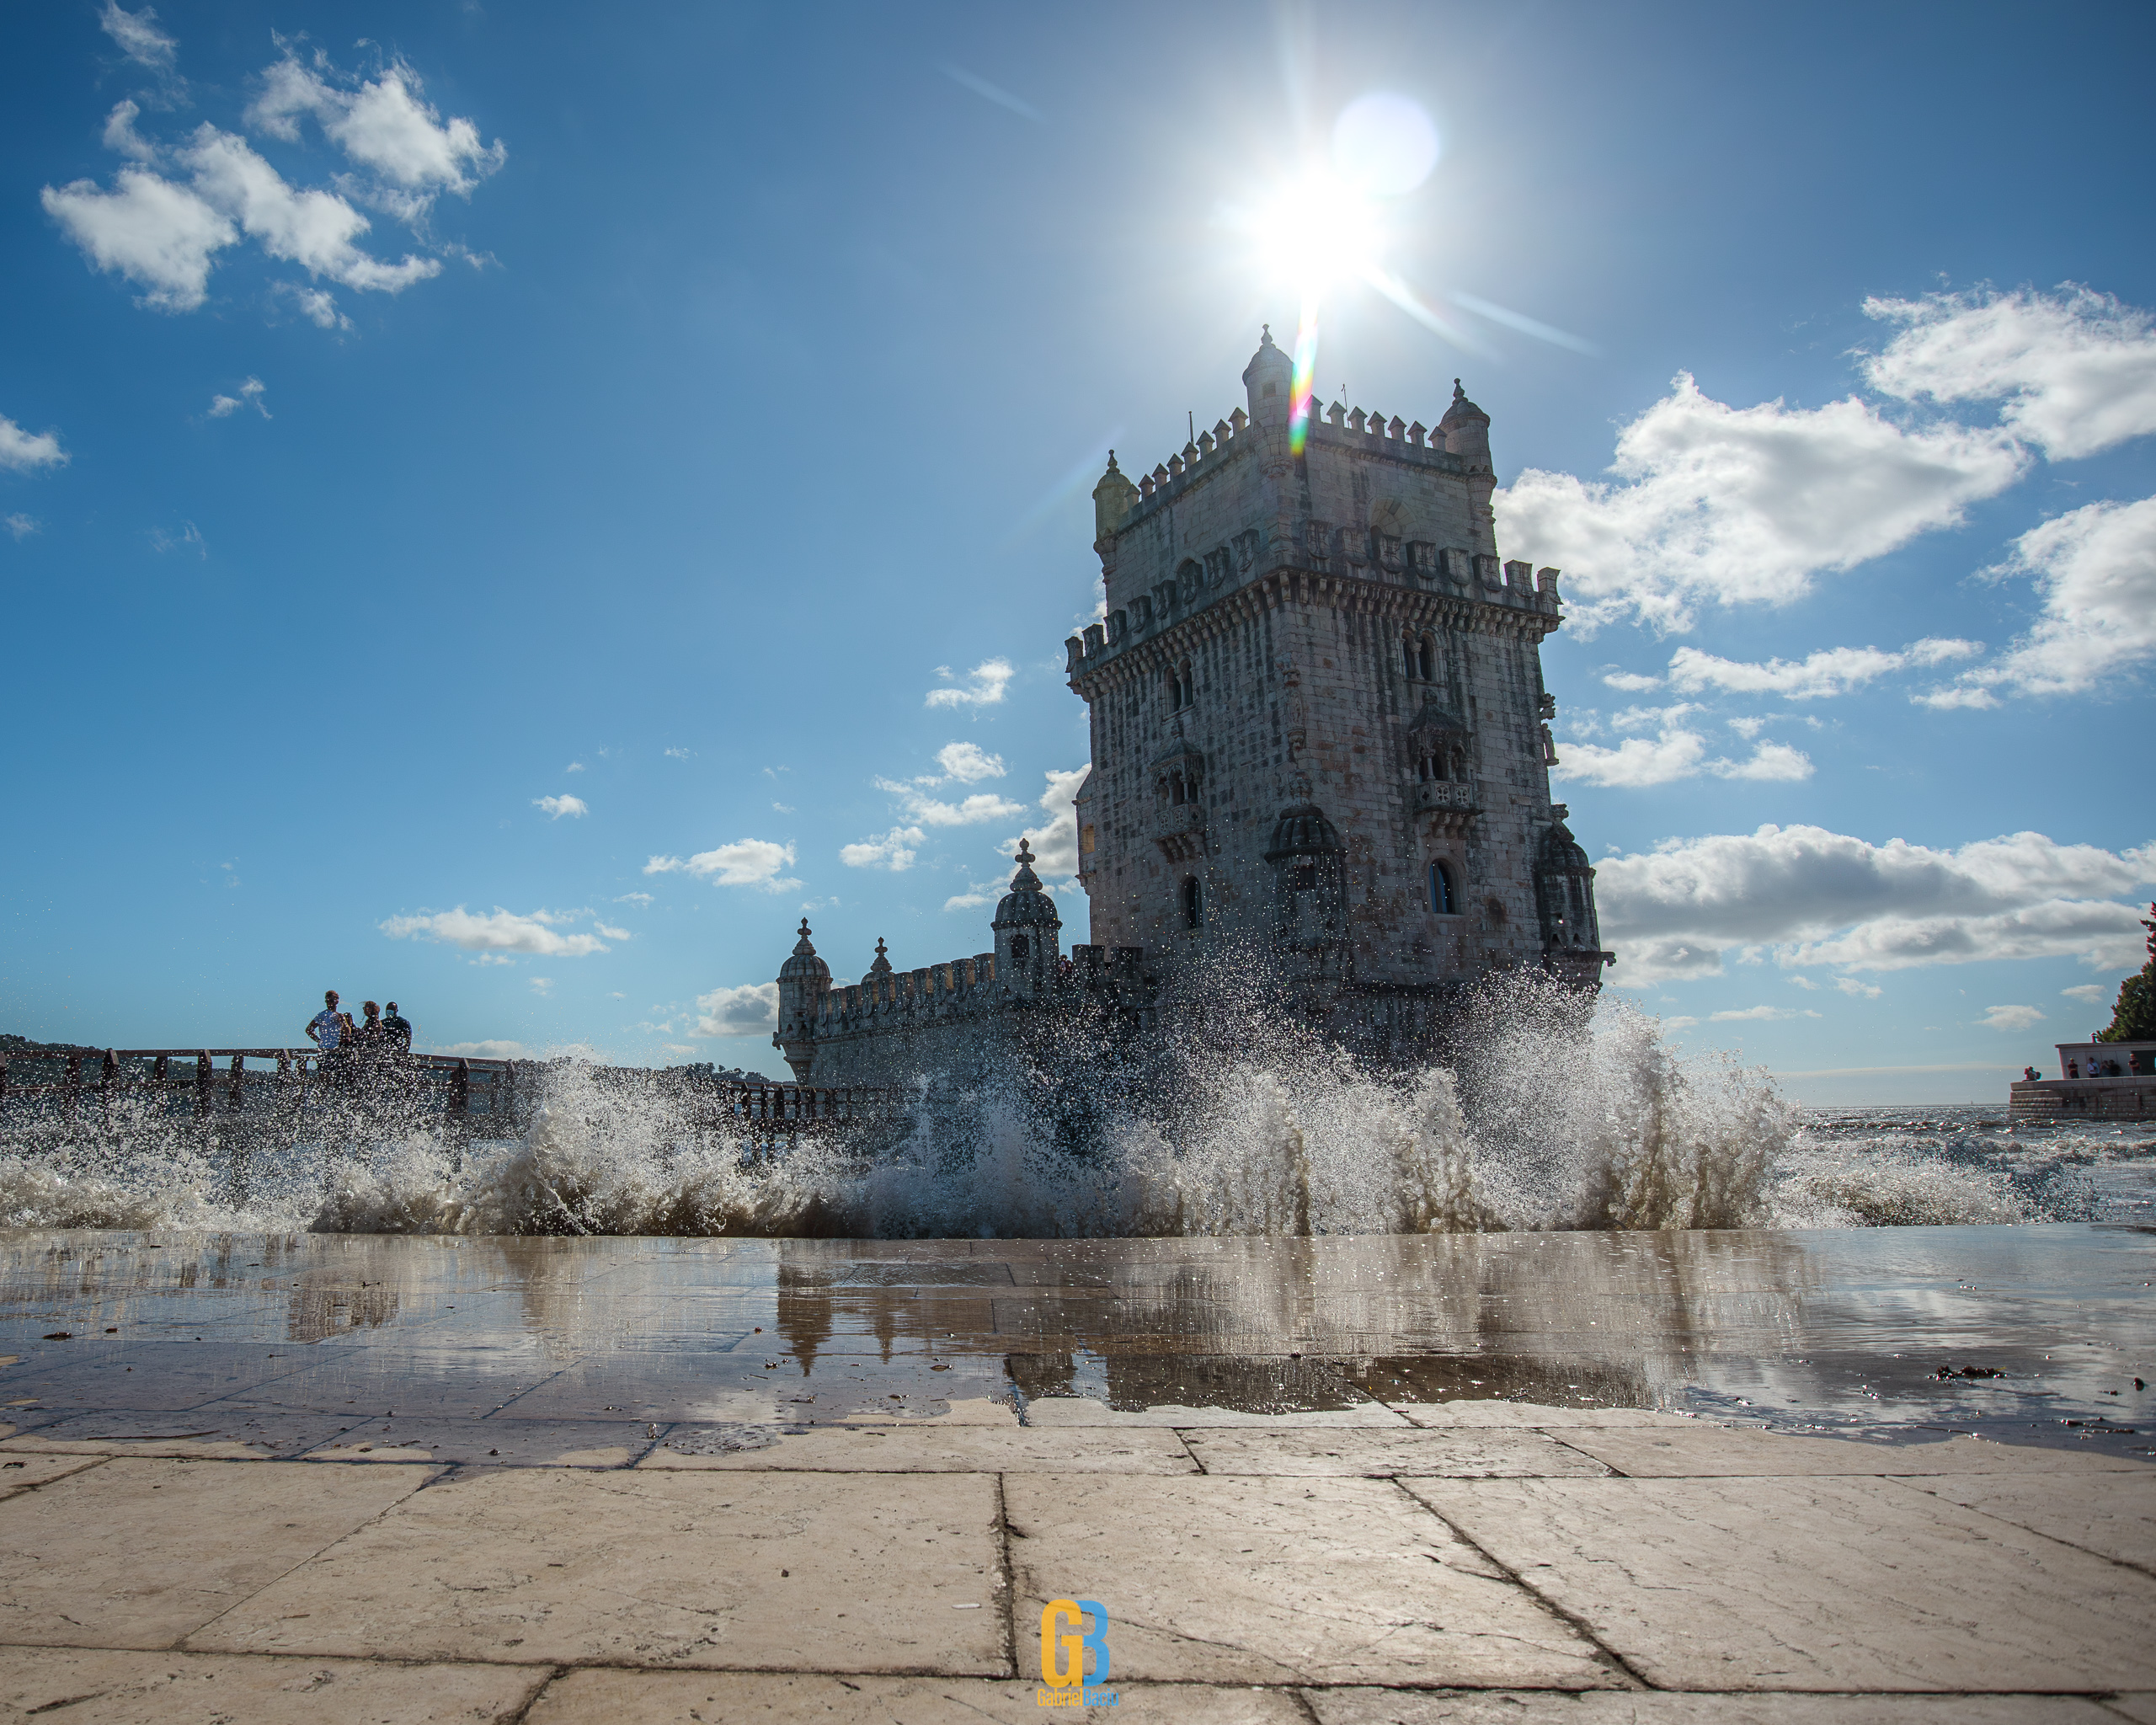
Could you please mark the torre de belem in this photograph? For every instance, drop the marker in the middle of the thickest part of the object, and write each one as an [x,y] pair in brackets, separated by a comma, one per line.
[1321,756]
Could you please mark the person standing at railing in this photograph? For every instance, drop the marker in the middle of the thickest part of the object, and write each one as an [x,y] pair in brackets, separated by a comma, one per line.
[399,1030]
[327,1028]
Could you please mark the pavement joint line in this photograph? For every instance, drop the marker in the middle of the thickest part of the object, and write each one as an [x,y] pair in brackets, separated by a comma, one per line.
[1608,1655]
[1010,1612]
[1550,1432]
[1182,1436]
[523,1710]
[1913,1484]
[180,1643]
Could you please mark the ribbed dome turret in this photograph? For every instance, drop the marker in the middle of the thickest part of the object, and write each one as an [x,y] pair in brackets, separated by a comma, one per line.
[1027,905]
[804,964]
[1303,830]
[1461,409]
[1269,380]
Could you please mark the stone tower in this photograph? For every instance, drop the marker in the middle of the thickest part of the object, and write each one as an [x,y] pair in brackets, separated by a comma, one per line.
[1319,726]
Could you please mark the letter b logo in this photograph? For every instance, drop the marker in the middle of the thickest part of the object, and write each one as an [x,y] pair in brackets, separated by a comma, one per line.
[1063,1653]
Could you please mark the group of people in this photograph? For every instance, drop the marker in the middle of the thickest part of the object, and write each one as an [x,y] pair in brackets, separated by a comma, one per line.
[332,1031]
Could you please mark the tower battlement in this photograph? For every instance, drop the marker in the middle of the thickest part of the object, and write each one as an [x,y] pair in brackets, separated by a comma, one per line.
[1319,734]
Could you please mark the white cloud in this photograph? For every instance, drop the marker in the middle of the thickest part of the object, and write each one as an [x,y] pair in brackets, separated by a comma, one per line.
[502,931]
[1677,753]
[491,1050]
[488,960]
[1821,898]
[120,136]
[2076,370]
[677,754]
[23,451]
[21,526]
[1805,983]
[384,126]
[749,1010]
[1745,505]
[2089,994]
[541,985]
[745,862]
[2094,569]
[222,407]
[2010,1018]
[984,685]
[1759,1015]
[1834,670]
[1860,991]
[1632,718]
[317,305]
[574,766]
[894,851]
[314,229]
[968,763]
[1631,682]
[641,900]
[138,36]
[188,538]
[160,235]
[784,809]
[1056,840]
[917,808]
[557,807]
[610,933]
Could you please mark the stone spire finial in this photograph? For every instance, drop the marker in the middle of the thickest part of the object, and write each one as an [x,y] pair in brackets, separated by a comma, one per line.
[1265,340]
[1458,393]
[882,967]
[1025,880]
[802,947]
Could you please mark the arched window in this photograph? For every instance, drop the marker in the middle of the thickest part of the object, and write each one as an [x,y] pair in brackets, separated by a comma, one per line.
[1407,658]
[1019,947]
[1193,902]
[1182,689]
[1425,660]
[1445,899]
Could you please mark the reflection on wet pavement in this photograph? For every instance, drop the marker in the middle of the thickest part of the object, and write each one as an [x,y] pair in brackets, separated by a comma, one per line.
[295,1342]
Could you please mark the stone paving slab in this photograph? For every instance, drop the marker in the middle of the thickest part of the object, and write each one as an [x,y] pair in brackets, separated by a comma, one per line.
[698,1698]
[763,1570]
[215,1427]
[2114,1517]
[1380,1706]
[154,1375]
[1712,1451]
[63,1684]
[139,1553]
[494,1443]
[1484,1415]
[1280,1581]
[1462,1454]
[1077,1409]
[19,1473]
[1827,1584]
[935,1448]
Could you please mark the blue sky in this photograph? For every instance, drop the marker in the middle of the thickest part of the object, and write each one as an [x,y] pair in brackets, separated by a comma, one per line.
[412,417]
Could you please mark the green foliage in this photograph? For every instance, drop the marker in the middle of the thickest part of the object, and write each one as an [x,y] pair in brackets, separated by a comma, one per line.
[2134,1019]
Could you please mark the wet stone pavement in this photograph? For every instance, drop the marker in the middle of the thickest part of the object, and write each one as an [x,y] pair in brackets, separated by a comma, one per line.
[1875,1475]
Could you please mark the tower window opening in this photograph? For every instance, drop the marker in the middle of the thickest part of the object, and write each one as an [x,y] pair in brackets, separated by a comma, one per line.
[1407,658]
[1425,660]
[1019,948]
[1444,900]
[1193,902]
[1304,878]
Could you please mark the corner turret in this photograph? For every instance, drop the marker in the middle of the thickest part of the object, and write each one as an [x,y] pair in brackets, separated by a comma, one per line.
[1113,499]
[803,980]
[1028,931]
[1269,379]
[1466,429]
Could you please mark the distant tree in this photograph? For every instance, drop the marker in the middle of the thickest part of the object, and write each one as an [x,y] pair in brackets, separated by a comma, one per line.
[2135,1019]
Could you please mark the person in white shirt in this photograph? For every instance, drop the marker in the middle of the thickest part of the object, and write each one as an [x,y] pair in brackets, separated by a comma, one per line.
[326,1028]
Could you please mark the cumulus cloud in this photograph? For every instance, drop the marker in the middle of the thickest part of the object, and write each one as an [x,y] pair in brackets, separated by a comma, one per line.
[2010,1018]
[918,808]
[1811,897]
[317,305]
[21,526]
[968,763]
[1676,753]
[2094,569]
[745,862]
[500,931]
[641,900]
[1631,682]
[1860,991]
[223,407]
[384,125]
[2076,370]
[894,851]
[541,985]
[493,1050]
[25,452]
[138,36]
[1759,1015]
[984,685]
[1054,841]
[2089,994]
[750,1009]
[557,807]
[1834,670]
[1710,502]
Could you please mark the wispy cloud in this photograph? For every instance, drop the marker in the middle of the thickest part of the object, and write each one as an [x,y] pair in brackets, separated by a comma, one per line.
[984,686]
[745,862]
[25,452]
[993,93]
[139,37]
[223,407]
[557,807]
[21,526]
[2010,1018]
[499,932]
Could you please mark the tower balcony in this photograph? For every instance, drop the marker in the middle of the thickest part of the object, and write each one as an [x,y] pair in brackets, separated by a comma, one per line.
[1179,830]
[1441,796]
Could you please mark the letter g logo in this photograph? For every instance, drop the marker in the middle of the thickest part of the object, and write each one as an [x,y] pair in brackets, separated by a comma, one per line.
[1063,1654]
